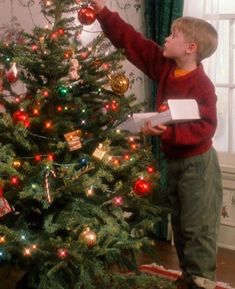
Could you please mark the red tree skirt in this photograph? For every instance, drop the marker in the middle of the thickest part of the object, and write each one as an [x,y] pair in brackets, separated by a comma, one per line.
[172,275]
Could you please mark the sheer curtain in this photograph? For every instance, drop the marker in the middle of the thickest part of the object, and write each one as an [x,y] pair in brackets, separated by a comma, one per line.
[220,67]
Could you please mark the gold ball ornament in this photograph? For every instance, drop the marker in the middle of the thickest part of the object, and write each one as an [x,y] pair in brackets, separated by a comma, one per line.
[16,164]
[88,237]
[119,83]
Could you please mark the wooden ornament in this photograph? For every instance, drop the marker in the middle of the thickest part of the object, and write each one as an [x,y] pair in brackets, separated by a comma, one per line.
[73,139]
[100,151]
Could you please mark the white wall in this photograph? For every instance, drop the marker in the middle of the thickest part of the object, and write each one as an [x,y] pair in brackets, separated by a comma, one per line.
[227,228]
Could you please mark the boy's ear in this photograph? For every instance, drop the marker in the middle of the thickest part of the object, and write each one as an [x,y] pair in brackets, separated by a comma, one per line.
[191,48]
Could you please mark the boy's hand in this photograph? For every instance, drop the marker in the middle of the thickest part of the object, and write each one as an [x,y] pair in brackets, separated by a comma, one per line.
[148,129]
[98,5]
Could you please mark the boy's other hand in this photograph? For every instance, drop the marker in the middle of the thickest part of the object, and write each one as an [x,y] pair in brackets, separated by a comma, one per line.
[157,130]
[98,5]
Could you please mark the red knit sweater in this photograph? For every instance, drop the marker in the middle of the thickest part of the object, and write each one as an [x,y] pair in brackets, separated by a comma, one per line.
[182,139]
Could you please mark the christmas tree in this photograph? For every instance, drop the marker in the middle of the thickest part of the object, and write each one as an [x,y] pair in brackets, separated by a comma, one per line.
[76,192]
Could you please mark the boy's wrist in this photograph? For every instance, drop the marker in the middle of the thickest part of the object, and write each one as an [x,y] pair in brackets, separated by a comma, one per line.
[98,11]
[98,5]
[103,13]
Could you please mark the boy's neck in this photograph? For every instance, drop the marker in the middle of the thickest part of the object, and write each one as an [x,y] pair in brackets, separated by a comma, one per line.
[187,66]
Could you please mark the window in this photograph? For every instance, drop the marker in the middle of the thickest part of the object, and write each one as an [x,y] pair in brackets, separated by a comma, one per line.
[221,68]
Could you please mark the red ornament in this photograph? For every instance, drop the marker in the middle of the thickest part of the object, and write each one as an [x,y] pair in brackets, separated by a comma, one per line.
[21,116]
[34,47]
[62,253]
[60,31]
[11,77]
[38,158]
[50,157]
[45,93]
[59,108]
[142,187]
[117,201]
[150,169]
[15,180]
[163,107]
[53,35]
[86,15]
[5,208]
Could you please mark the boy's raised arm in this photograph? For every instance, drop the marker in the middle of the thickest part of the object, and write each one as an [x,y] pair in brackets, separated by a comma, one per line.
[144,53]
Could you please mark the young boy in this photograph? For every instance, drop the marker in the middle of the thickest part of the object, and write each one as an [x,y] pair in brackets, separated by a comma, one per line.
[195,189]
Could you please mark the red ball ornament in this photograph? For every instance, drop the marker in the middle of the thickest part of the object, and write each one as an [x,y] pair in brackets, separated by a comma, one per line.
[86,15]
[142,187]
[15,180]
[163,107]
[21,116]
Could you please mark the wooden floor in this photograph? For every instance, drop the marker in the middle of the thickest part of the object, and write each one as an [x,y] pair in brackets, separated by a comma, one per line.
[167,257]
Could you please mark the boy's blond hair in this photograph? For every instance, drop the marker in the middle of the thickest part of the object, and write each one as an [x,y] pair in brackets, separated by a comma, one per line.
[200,32]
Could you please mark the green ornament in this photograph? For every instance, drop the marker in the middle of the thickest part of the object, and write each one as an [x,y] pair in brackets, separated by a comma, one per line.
[62,91]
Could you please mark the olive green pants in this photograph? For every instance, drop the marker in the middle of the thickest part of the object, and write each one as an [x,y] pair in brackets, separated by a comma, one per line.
[195,193]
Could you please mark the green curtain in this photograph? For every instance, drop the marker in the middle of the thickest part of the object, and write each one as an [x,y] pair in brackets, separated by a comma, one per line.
[159,15]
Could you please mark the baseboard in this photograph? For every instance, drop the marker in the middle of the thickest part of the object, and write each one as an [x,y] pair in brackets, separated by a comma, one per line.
[226,246]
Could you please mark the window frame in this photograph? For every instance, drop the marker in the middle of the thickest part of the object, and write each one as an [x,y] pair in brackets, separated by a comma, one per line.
[227,159]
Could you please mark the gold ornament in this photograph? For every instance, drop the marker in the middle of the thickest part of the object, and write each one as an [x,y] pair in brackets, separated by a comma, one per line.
[90,191]
[119,83]
[68,53]
[16,164]
[88,237]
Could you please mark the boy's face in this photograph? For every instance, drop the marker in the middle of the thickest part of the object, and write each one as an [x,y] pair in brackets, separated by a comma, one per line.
[175,46]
